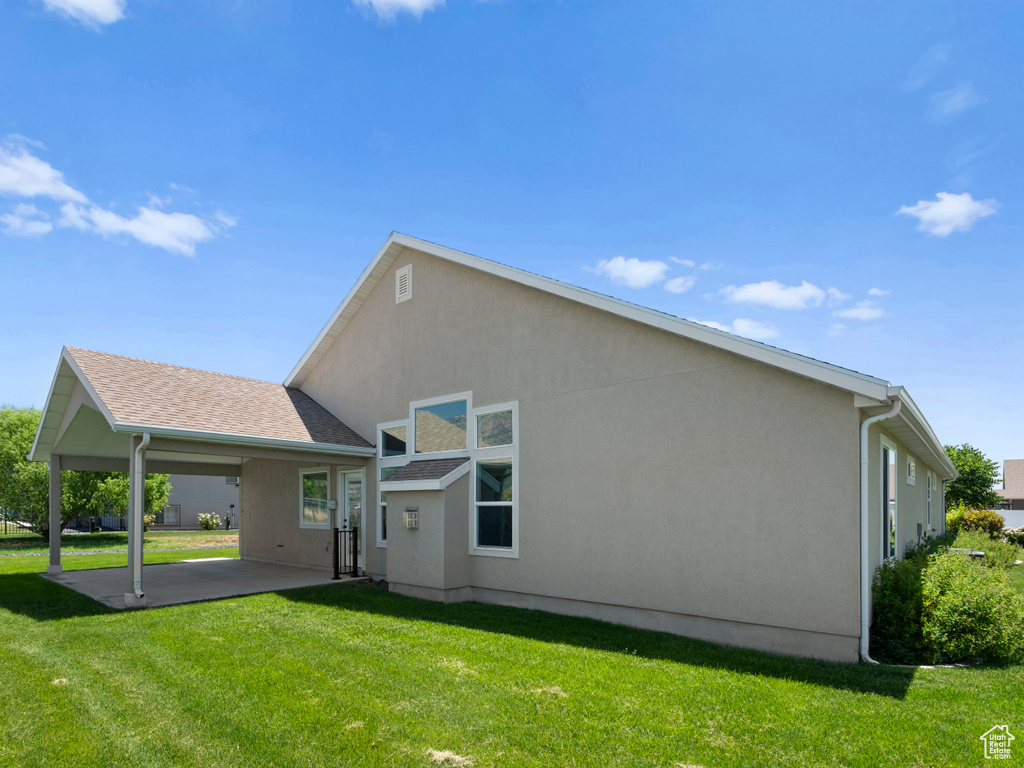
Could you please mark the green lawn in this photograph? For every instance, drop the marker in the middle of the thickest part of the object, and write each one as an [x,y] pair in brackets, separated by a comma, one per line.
[108,540]
[348,675]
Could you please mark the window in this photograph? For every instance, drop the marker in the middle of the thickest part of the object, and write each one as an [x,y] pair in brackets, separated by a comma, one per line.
[440,426]
[382,508]
[888,500]
[494,497]
[231,480]
[930,480]
[171,515]
[314,512]
[911,471]
[494,429]
[392,441]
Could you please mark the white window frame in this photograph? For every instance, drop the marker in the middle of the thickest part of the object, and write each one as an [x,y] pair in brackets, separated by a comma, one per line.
[491,454]
[410,445]
[911,473]
[302,498]
[383,462]
[339,513]
[889,445]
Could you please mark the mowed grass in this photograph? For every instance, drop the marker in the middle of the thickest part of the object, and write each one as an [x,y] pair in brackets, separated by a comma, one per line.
[353,675]
[107,540]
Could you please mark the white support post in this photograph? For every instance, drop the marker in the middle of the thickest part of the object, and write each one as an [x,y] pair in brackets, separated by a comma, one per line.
[55,491]
[135,597]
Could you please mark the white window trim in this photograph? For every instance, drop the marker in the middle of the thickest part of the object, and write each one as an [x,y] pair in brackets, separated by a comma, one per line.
[929,501]
[302,498]
[483,411]
[496,452]
[380,442]
[911,471]
[410,446]
[888,444]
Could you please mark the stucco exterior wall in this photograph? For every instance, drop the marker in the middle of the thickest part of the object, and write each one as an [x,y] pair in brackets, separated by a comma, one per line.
[269,523]
[911,500]
[655,473]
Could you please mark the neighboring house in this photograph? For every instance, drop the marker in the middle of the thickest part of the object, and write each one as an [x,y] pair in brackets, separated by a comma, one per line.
[191,496]
[1012,493]
[503,437]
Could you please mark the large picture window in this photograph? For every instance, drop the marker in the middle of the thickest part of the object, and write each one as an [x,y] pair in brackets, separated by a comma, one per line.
[440,427]
[313,511]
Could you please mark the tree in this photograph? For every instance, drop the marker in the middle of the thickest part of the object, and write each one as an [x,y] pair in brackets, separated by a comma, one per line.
[25,485]
[978,474]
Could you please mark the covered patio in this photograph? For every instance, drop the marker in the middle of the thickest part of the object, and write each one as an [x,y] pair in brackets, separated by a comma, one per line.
[108,413]
[193,581]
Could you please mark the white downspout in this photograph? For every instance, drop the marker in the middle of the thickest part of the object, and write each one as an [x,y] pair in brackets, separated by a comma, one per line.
[139,509]
[865,573]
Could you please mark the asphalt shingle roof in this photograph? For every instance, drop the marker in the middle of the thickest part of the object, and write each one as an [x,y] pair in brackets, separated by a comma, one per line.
[428,469]
[160,395]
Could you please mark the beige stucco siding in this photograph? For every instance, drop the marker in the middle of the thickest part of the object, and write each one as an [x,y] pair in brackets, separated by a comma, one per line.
[911,500]
[654,471]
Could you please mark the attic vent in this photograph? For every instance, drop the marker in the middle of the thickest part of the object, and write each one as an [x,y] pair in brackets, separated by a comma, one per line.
[403,284]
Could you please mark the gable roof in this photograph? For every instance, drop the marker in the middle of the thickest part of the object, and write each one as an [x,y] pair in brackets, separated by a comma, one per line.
[139,395]
[869,392]
[858,383]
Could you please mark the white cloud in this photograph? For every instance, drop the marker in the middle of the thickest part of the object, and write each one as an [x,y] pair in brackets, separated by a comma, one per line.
[92,13]
[836,329]
[754,330]
[24,175]
[632,272]
[175,232]
[927,67]
[949,213]
[751,329]
[772,293]
[26,221]
[863,310]
[948,104]
[835,296]
[685,262]
[711,265]
[680,284]
[878,292]
[389,9]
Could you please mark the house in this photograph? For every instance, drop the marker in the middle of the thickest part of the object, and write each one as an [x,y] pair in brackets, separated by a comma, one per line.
[503,437]
[1012,493]
[191,496]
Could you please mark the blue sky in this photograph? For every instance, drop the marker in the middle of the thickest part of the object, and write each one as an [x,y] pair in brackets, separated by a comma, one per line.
[200,183]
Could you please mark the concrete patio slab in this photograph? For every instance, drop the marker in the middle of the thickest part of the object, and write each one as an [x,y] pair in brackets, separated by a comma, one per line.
[193,581]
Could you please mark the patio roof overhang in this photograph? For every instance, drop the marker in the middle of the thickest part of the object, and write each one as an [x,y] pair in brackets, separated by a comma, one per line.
[89,419]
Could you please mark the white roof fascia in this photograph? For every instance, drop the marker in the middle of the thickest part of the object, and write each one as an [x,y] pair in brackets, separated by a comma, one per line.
[65,357]
[911,415]
[228,438]
[858,383]
[425,485]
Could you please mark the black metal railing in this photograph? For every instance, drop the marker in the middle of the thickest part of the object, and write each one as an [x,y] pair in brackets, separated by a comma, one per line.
[346,552]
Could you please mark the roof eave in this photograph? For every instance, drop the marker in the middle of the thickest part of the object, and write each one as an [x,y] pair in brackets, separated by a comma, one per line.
[228,438]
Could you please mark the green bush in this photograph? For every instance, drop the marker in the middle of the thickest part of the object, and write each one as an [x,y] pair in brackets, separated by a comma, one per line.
[1014,536]
[998,554]
[987,520]
[955,518]
[209,521]
[969,612]
[897,635]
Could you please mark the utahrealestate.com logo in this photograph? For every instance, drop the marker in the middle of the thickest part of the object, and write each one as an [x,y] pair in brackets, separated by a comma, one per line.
[997,742]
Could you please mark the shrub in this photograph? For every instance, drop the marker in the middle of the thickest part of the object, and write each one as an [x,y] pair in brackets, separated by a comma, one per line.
[970,612]
[1014,536]
[147,521]
[998,554]
[209,521]
[955,518]
[987,520]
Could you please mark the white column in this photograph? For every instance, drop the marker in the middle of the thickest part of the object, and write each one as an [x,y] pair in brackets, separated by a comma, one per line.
[55,490]
[135,597]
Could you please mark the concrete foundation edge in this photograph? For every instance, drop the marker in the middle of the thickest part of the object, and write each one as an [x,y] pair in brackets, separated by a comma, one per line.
[782,640]
[276,561]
